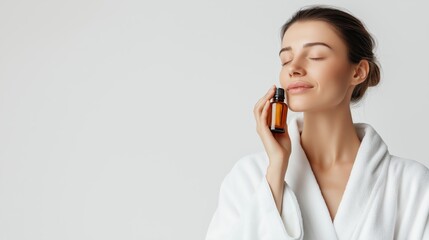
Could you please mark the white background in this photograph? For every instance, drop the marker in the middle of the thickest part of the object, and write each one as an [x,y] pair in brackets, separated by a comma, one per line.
[119,119]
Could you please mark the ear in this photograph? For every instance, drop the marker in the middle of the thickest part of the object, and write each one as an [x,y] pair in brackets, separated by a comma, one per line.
[360,72]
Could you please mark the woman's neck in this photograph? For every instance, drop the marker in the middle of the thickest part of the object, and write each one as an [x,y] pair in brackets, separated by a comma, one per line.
[329,138]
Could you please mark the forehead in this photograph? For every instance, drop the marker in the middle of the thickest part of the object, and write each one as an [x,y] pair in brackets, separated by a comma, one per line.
[303,32]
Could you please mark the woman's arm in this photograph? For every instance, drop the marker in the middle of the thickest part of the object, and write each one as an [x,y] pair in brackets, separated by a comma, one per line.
[275,178]
[247,209]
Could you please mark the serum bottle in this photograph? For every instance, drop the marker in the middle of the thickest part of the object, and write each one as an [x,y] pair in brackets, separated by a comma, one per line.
[277,112]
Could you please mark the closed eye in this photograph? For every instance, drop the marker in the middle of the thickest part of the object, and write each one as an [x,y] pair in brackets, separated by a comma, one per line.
[285,63]
[315,59]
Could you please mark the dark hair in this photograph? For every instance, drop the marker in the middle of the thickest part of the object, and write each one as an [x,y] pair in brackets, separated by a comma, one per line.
[358,40]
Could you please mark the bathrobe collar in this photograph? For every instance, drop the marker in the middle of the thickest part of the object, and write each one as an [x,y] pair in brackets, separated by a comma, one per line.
[370,165]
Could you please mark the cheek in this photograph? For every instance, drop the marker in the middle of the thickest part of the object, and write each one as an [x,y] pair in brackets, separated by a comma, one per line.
[331,76]
[332,85]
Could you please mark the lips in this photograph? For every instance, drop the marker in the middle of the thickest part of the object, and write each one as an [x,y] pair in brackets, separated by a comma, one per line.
[299,84]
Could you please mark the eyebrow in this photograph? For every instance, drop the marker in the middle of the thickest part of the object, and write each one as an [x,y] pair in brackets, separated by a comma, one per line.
[306,45]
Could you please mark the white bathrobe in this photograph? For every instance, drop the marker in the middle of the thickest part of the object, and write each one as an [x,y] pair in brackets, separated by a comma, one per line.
[386,197]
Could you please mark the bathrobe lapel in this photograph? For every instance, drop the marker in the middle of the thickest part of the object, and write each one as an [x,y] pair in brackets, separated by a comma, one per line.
[365,174]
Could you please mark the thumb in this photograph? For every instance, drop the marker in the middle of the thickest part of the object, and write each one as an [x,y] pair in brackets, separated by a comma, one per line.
[283,139]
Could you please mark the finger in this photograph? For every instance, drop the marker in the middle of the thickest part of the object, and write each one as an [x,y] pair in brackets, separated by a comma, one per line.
[267,94]
[260,104]
[264,114]
[264,129]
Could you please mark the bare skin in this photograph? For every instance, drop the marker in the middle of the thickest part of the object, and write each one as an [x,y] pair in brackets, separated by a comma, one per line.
[328,136]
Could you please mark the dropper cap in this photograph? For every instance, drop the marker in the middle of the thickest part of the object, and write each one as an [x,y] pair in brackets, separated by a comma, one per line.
[280,94]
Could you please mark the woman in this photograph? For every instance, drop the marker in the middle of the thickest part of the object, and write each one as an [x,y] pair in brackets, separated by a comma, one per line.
[325,177]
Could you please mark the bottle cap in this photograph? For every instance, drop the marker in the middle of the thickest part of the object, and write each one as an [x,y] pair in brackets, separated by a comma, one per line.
[280,94]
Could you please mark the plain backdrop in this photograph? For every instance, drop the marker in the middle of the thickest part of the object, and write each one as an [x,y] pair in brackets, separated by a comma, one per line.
[119,119]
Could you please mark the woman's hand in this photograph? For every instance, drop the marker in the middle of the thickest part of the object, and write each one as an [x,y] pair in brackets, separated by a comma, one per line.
[277,146]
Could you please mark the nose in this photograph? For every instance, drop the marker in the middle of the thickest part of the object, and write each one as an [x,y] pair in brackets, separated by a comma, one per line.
[295,70]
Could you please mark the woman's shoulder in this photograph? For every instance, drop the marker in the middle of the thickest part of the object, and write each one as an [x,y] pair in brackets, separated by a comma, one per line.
[407,166]
[409,171]
[409,180]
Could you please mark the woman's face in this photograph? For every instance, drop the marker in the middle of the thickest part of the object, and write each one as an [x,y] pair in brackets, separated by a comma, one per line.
[325,68]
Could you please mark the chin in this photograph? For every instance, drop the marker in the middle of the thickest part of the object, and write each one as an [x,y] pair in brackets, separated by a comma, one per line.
[299,107]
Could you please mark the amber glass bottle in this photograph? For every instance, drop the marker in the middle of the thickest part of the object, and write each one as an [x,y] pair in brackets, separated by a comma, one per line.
[277,112]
